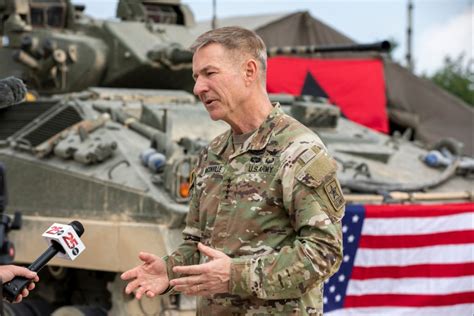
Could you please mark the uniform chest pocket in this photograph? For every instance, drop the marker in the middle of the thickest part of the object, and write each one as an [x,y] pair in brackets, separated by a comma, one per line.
[254,186]
[210,176]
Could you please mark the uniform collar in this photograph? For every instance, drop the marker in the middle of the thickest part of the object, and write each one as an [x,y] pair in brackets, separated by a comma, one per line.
[257,141]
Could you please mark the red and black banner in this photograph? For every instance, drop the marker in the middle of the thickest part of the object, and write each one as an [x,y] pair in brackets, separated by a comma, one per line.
[357,86]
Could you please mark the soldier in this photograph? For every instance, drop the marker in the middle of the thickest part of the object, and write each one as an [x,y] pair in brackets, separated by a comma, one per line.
[264,225]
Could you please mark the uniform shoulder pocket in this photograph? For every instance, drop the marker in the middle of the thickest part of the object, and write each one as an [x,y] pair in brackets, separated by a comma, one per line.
[316,167]
[318,172]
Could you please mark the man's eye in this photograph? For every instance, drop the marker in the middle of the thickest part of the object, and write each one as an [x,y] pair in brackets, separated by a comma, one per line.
[210,73]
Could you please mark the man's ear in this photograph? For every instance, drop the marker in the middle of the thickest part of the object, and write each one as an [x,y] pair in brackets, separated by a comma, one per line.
[251,71]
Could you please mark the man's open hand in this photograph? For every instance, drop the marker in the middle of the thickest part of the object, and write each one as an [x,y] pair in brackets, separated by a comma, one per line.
[149,278]
[205,279]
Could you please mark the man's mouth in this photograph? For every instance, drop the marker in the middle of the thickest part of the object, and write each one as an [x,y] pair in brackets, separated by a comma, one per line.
[209,101]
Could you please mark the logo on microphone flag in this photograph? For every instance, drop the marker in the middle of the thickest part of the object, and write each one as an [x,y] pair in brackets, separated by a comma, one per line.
[67,237]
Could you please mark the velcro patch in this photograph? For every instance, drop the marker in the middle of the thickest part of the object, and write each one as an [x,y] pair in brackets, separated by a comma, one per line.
[320,168]
[307,156]
[334,193]
[214,169]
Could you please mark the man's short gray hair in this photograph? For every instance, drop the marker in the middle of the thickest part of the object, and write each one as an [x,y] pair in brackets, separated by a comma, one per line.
[235,38]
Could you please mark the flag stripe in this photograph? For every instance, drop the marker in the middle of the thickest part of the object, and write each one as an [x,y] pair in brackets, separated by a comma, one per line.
[408,300]
[414,271]
[426,286]
[404,257]
[412,241]
[405,260]
[459,309]
[410,226]
[416,210]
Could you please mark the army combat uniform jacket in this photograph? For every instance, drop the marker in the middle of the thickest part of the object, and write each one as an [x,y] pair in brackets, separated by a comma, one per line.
[274,206]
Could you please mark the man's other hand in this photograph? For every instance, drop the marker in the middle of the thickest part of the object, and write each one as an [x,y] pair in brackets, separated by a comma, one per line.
[149,278]
[205,279]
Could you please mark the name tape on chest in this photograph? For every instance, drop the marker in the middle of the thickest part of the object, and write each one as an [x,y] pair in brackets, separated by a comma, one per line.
[262,168]
[261,164]
[214,169]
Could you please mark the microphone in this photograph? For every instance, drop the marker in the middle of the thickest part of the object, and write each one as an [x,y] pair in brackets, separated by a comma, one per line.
[12,91]
[63,239]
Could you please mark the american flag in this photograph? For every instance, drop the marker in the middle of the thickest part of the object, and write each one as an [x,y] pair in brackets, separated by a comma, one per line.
[405,260]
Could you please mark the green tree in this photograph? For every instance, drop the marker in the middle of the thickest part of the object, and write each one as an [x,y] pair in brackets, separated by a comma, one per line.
[456,76]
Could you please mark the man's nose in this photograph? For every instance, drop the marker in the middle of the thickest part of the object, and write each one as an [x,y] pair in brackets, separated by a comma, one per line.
[199,87]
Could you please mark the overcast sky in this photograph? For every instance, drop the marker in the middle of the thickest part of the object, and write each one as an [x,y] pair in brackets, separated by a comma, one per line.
[440,27]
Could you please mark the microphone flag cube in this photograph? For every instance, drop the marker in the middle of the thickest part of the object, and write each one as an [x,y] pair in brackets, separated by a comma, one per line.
[66,236]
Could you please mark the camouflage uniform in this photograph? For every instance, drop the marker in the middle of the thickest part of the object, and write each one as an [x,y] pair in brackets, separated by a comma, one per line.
[274,206]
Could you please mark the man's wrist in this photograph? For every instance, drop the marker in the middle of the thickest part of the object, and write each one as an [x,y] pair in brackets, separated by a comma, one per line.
[169,272]
[239,283]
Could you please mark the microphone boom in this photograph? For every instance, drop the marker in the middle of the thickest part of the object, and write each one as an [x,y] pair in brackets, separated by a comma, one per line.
[12,91]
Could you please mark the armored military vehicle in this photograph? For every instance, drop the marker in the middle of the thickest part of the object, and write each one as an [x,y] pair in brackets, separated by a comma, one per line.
[55,48]
[119,159]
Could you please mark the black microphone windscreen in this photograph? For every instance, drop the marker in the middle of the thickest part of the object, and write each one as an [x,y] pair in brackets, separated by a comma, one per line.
[77,226]
[12,91]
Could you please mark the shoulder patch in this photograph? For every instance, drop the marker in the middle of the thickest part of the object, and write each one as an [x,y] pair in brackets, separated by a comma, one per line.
[317,167]
[307,156]
[334,193]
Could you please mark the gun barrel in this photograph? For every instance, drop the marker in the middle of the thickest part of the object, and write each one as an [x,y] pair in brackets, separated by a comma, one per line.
[383,46]
[174,54]
[179,56]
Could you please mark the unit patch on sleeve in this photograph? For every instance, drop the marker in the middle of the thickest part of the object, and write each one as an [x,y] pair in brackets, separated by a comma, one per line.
[334,194]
